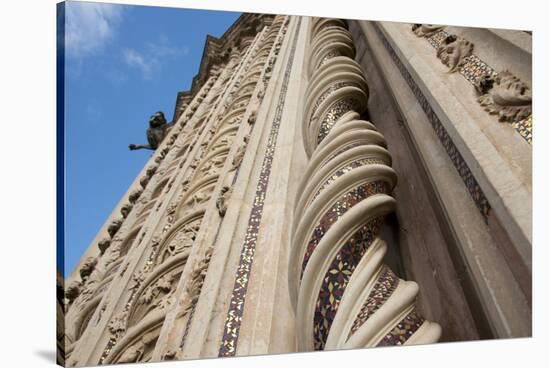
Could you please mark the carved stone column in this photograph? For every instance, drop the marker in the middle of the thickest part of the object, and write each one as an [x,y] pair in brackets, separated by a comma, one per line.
[343,293]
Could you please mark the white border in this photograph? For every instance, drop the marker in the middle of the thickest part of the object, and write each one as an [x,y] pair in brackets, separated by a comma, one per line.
[27,85]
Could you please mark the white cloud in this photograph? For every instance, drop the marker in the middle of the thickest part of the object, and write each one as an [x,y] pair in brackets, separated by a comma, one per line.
[89,26]
[162,48]
[135,59]
[151,59]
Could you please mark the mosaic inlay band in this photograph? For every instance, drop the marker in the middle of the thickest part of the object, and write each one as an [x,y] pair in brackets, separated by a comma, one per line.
[328,56]
[347,201]
[352,165]
[339,109]
[403,330]
[341,150]
[382,290]
[236,306]
[458,161]
[337,277]
[328,91]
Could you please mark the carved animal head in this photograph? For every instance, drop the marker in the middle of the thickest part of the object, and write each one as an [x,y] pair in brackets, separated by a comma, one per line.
[157,119]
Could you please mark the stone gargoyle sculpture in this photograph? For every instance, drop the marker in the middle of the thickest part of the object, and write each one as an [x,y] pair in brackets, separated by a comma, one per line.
[158,129]
[453,51]
[505,95]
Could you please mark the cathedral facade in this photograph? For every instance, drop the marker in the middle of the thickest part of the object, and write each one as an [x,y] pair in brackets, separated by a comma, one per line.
[324,184]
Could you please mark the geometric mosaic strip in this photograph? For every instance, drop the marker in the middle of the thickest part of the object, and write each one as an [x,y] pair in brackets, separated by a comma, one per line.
[382,290]
[337,277]
[403,330]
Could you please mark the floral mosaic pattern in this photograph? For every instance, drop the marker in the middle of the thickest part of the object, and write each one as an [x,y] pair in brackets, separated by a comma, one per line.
[347,201]
[339,109]
[458,161]
[381,291]
[236,307]
[331,89]
[352,165]
[337,277]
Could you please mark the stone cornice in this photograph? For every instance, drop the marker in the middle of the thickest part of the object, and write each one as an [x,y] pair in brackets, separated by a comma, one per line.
[218,50]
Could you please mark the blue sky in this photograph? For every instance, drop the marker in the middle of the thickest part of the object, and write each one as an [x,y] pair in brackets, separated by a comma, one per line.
[122,63]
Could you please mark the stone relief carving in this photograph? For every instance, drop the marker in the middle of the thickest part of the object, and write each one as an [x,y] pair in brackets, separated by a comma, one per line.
[137,352]
[508,98]
[505,95]
[103,245]
[125,209]
[252,118]
[183,240]
[224,142]
[453,51]
[426,30]
[151,170]
[200,197]
[113,255]
[194,287]
[114,226]
[185,185]
[137,279]
[88,268]
[117,325]
[239,155]
[72,291]
[223,198]
[158,295]
[134,196]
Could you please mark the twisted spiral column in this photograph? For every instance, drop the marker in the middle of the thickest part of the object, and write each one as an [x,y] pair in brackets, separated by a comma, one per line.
[343,293]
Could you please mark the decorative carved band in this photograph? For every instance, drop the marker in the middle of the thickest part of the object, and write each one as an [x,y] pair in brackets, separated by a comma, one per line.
[501,94]
[236,306]
[460,164]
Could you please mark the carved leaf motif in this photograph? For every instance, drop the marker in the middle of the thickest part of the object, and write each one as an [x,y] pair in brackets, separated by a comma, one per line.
[453,51]
[117,325]
[137,279]
[148,295]
[507,96]
[426,30]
